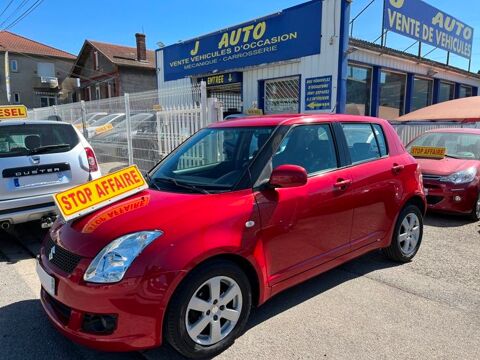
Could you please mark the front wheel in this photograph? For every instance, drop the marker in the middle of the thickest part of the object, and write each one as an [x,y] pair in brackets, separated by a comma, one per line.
[209,310]
[407,235]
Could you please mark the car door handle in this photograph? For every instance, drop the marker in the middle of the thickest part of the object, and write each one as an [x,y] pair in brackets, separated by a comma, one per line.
[396,168]
[342,184]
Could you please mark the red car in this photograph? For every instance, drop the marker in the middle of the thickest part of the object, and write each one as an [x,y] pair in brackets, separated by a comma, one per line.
[452,182]
[239,212]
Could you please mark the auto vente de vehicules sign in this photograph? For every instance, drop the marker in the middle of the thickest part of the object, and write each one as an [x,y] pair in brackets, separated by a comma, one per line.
[427,24]
[292,33]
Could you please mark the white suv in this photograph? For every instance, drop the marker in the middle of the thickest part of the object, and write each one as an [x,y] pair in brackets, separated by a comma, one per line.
[38,159]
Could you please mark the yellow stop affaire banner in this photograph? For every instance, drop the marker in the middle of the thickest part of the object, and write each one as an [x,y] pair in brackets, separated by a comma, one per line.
[84,199]
[428,152]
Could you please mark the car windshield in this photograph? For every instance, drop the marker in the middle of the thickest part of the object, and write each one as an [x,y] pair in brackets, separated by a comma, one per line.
[457,145]
[106,119]
[212,160]
[29,139]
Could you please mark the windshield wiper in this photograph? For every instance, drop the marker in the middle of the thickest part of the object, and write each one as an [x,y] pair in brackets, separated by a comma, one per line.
[46,148]
[182,185]
[151,183]
[453,157]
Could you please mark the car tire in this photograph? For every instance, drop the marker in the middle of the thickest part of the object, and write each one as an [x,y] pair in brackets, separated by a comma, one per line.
[475,215]
[185,315]
[407,235]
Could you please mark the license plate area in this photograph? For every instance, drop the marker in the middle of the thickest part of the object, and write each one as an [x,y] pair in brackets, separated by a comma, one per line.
[48,282]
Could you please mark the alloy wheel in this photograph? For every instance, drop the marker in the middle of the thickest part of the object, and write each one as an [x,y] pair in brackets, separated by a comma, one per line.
[213,310]
[409,234]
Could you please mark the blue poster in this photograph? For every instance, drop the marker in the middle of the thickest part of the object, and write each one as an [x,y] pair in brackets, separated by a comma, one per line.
[318,93]
[425,23]
[292,33]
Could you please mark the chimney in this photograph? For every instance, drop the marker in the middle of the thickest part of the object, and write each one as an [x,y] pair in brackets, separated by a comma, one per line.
[141,47]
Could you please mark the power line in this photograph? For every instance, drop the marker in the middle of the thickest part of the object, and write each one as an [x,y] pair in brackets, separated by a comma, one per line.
[25,14]
[6,8]
[18,8]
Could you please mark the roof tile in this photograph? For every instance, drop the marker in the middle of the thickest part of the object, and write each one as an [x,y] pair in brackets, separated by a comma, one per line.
[19,44]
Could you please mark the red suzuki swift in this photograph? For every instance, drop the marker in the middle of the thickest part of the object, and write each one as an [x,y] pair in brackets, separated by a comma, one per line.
[453,181]
[239,212]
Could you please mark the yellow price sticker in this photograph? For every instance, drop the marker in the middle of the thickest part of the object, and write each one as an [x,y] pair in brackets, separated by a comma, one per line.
[84,199]
[428,152]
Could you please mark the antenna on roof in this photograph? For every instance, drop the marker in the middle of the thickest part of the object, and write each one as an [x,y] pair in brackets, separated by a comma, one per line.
[143,31]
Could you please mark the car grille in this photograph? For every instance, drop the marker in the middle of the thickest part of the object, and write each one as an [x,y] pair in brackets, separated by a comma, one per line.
[431,177]
[61,258]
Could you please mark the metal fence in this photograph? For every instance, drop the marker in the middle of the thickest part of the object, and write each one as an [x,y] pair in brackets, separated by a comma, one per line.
[409,131]
[138,128]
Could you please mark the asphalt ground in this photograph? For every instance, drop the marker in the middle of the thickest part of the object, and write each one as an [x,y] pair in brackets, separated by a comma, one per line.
[369,308]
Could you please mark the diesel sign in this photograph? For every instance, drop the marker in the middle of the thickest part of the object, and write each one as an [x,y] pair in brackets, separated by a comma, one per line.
[35,170]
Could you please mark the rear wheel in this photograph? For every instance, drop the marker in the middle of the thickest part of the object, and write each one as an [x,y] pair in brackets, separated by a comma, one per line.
[209,310]
[475,215]
[407,235]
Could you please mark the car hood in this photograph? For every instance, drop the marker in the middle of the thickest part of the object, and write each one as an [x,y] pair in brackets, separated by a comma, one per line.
[177,215]
[445,166]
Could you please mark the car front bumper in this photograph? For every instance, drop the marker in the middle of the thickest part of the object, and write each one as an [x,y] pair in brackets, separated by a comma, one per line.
[452,198]
[137,304]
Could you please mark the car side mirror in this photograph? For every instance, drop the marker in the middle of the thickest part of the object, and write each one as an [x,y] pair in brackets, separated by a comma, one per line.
[287,176]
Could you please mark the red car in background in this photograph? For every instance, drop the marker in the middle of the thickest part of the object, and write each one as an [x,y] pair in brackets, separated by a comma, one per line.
[452,183]
[241,211]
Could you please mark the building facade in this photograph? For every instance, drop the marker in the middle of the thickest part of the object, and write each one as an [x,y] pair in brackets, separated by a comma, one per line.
[38,73]
[302,60]
[108,70]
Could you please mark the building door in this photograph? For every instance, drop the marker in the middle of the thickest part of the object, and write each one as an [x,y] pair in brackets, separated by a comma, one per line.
[282,96]
[227,88]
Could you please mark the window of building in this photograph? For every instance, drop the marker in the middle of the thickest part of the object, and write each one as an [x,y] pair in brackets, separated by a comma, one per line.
[97,93]
[309,146]
[362,142]
[16,98]
[95,60]
[422,93]
[14,65]
[359,90]
[47,101]
[89,92]
[392,95]
[446,91]
[282,95]
[109,90]
[46,70]
[465,91]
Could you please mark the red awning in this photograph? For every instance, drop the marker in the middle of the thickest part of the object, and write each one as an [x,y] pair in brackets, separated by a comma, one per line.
[462,110]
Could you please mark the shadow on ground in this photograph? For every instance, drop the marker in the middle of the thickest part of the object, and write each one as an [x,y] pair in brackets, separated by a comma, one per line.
[446,220]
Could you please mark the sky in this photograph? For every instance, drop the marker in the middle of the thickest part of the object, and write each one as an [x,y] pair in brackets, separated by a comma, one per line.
[65,24]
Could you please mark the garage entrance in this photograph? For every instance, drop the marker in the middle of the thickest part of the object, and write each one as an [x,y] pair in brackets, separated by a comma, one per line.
[227,88]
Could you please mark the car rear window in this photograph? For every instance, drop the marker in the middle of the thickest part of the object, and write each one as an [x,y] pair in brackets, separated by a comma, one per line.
[28,139]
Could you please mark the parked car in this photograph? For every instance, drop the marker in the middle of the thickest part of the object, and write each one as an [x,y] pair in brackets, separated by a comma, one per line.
[452,183]
[37,159]
[113,144]
[104,124]
[242,210]
[90,119]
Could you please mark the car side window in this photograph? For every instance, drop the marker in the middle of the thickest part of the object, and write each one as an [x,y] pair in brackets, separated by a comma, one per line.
[361,141]
[380,135]
[309,146]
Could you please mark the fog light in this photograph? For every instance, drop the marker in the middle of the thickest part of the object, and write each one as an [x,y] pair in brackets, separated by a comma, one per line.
[99,324]
[457,198]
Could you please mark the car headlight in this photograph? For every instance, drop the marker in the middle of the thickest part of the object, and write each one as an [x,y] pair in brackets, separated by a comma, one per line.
[461,177]
[111,264]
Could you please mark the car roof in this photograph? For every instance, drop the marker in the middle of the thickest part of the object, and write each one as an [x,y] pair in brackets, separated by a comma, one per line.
[26,122]
[292,119]
[456,130]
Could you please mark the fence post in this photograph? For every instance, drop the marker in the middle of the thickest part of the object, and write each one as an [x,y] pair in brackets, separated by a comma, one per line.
[83,111]
[129,129]
[203,103]
[158,118]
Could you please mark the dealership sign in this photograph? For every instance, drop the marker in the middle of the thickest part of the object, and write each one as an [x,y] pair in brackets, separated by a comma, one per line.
[292,33]
[318,93]
[427,24]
